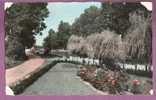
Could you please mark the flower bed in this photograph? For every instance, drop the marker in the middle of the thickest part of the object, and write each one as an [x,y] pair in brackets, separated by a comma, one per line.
[116,82]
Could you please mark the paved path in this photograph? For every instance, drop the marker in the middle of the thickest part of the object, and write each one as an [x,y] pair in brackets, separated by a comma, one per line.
[19,72]
[60,80]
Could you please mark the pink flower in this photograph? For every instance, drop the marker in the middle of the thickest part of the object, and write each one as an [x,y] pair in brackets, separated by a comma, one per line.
[113,82]
[136,82]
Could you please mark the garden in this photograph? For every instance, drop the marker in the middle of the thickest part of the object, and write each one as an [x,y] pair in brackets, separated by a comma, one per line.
[117,37]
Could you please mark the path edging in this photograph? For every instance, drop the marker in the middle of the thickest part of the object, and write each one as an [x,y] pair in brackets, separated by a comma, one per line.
[20,85]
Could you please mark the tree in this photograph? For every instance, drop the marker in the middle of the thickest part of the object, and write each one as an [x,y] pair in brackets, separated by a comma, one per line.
[63,34]
[22,23]
[114,16]
[59,39]
[139,37]
[51,41]
[107,47]
[84,25]
[77,45]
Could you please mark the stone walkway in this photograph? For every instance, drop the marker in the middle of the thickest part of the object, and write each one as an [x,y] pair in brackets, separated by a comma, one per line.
[13,75]
[61,80]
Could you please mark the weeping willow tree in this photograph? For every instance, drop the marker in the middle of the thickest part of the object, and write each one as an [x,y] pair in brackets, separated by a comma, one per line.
[76,44]
[139,37]
[107,47]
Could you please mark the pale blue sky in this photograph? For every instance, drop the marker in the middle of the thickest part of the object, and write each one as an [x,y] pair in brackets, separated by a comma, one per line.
[66,12]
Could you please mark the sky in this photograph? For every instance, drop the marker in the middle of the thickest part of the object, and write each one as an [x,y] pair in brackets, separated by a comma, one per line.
[67,12]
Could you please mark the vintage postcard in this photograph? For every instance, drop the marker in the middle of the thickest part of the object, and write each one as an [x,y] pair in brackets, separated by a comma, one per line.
[91,48]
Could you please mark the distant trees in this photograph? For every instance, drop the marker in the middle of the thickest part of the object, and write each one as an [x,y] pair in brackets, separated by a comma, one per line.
[63,34]
[51,40]
[59,39]
[22,22]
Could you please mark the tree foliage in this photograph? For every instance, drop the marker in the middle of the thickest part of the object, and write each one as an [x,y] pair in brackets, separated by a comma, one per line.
[105,45]
[59,39]
[131,20]
[109,17]
[77,45]
[85,24]
[51,40]
[139,37]
[22,23]
[63,34]
[115,32]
